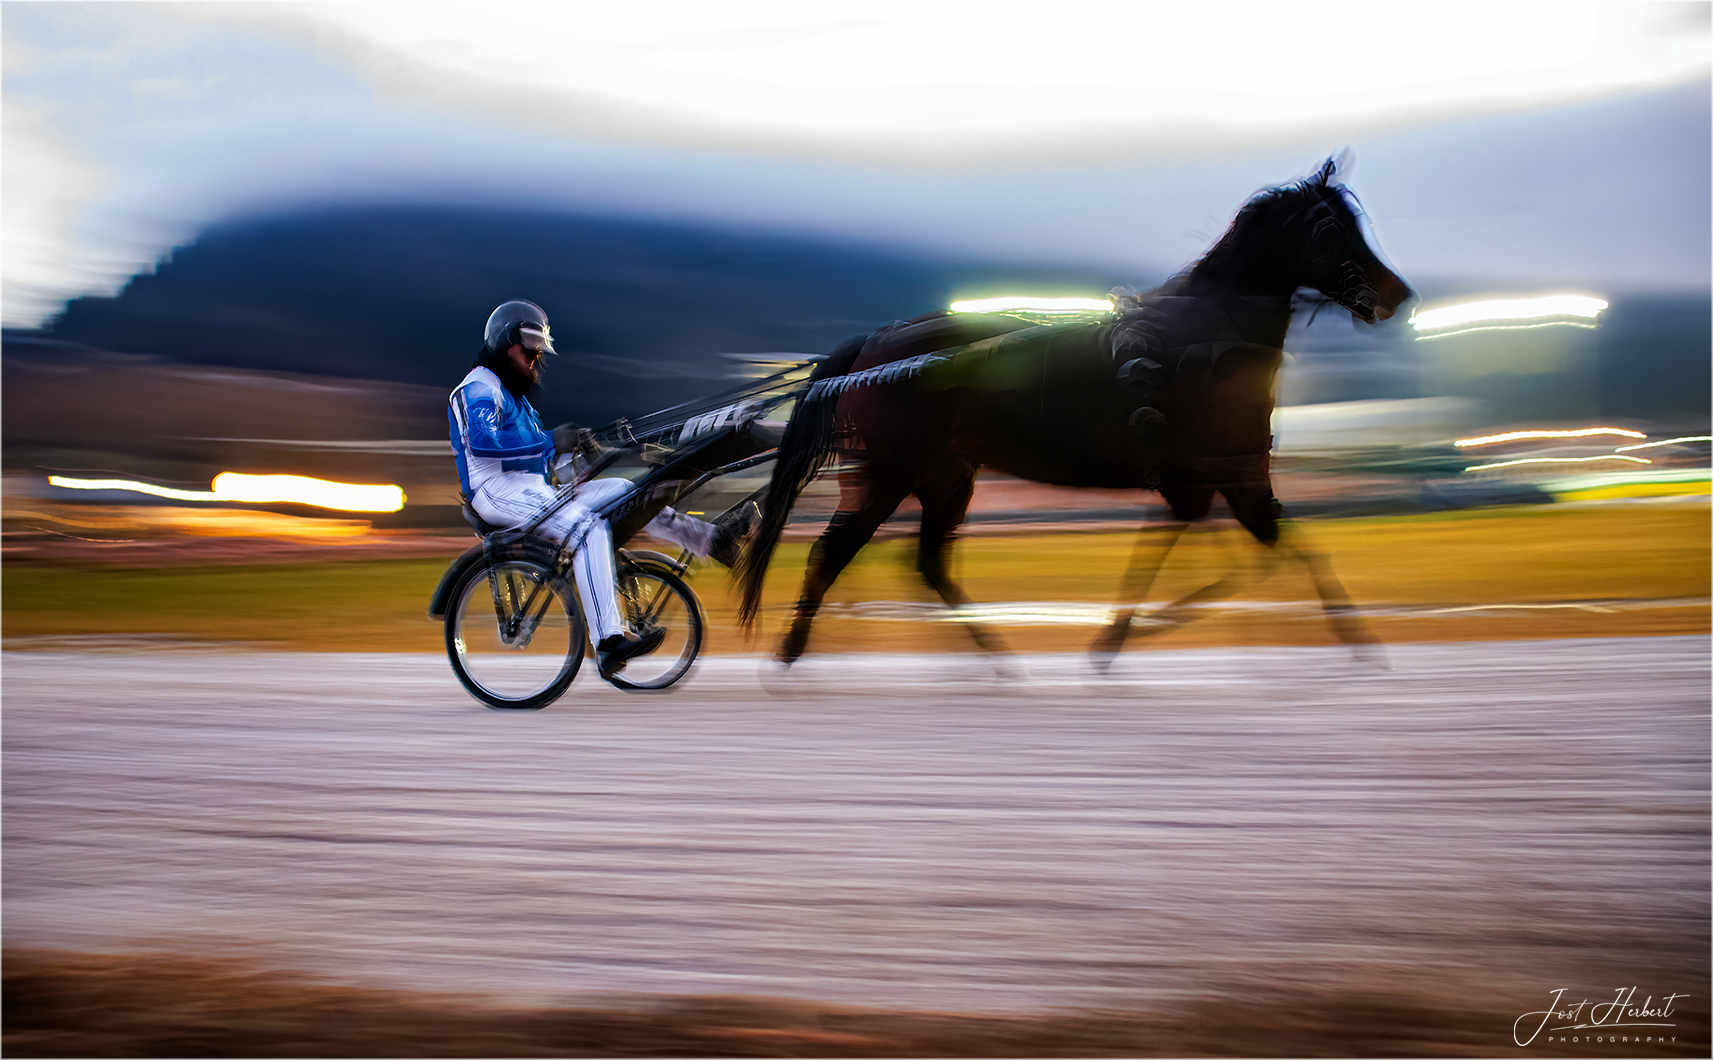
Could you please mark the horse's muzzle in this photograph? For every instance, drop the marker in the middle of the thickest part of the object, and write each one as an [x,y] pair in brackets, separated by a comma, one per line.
[1390,291]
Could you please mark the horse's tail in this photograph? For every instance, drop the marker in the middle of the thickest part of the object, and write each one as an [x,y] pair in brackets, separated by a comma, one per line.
[803,452]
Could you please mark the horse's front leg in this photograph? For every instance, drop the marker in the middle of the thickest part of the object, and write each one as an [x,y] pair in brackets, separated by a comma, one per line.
[1146,559]
[1346,621]
[1261,514]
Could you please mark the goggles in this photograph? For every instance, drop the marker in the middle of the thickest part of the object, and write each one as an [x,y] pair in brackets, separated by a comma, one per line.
[536,338]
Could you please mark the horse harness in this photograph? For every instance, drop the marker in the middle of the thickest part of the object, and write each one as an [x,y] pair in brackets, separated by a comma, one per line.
[1155,364]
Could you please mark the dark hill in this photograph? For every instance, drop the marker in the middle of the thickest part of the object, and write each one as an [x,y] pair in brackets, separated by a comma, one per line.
[648,312]
[645,311]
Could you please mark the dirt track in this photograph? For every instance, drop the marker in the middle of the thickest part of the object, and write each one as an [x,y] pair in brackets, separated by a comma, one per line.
[1490,821]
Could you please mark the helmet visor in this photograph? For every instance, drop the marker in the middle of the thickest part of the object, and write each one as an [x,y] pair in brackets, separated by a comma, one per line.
[537,338]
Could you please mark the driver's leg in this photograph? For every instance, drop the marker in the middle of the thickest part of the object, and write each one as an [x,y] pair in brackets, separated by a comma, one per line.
[685,531]
[511,500]
[591,543]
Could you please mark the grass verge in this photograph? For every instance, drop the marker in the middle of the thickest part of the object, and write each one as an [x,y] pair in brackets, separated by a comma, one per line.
[1545,571]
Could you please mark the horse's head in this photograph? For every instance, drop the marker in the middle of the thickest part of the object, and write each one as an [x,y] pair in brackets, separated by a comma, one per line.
[1305,234]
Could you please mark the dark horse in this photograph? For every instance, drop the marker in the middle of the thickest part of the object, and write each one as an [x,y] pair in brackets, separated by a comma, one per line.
[1174,391]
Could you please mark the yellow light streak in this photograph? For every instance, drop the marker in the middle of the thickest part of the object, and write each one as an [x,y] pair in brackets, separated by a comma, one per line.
[1634,491]
[1668,441]
[1499,312]
[1599,480]
[1512,436]
[259,489]
[297,489]
[1024,303]
[1555,460]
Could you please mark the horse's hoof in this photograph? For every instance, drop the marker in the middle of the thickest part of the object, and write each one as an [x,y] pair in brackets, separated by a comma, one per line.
[777,678]
[1007,668]
[1102,660]
[1371,655]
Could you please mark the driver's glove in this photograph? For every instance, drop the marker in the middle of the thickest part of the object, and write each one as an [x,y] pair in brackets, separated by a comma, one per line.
[569,439]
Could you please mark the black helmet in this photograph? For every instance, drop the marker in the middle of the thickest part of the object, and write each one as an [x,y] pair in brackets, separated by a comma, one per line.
[517,323]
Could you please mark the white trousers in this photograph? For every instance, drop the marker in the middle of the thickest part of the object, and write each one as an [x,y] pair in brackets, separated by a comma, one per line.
[516,497]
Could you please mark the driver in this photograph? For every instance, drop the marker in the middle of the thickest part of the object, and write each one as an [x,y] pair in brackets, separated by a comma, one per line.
[504,459]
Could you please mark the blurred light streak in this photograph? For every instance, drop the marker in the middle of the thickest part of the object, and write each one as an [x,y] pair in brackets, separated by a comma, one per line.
[298,489]
[1024,303]
[1555,460]
[203,522]
[1523,607]
[1628,491]
[1506,327]
[1508,314]
[1512,436]
[1611,479]
[260,489]
[135,487]
[1668,441]
[1042,612]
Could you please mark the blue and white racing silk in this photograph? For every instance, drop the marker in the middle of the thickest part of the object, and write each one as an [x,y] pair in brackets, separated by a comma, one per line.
[504,459]
[494,433]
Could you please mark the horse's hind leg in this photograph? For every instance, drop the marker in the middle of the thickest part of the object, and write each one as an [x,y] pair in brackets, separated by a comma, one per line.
[1258,513]
[1188,504]
[1149,555]
[945,495]
[848,531]
[1182,611]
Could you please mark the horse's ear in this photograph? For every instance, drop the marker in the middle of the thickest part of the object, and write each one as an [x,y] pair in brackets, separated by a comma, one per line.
[1335,168]
[1342,162]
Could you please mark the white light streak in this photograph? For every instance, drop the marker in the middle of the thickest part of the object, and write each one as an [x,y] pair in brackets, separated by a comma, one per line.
[1511,313]
[260,489]
[1668,441]
[1555,460]
[1026,304]
[297,489]
[135,487]
[1506,327]
[1523,607]
[1586,432]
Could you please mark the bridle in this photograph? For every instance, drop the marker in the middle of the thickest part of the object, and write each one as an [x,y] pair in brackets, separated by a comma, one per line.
[1354,291]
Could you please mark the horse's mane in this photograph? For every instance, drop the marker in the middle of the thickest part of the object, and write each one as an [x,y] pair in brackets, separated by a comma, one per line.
[1265,211]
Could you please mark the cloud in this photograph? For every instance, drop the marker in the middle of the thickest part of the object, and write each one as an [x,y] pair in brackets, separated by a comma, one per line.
[920,83]
[1105,133]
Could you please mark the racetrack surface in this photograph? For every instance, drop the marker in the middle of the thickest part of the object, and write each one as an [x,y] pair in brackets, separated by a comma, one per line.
[1488,821]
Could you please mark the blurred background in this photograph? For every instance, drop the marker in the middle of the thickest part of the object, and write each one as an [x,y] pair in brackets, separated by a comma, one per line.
[263,239]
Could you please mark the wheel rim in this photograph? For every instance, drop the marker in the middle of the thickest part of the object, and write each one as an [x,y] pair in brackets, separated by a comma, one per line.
[649,602]
[506,651]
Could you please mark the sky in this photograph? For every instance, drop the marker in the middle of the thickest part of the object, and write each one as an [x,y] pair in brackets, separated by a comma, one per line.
[1562,144]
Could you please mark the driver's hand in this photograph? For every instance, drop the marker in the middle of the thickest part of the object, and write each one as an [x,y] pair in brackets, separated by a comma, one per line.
[570,438]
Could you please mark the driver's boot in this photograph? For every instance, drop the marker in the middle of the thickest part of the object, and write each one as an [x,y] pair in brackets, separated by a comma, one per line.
[614,651]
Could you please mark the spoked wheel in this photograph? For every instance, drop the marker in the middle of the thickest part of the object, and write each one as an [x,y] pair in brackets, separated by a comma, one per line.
[514,633]
[652,597]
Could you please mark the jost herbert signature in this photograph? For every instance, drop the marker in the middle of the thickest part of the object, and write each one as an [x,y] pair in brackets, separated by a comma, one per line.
[1606,1016]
